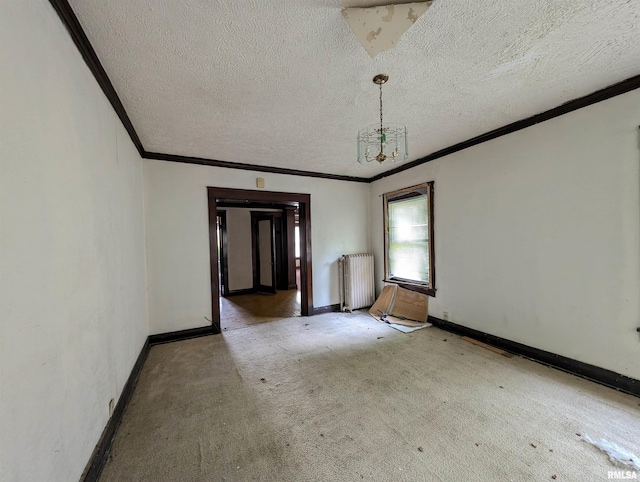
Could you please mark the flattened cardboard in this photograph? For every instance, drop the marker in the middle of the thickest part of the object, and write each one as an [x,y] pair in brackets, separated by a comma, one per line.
[410,305]
[384,302]
[400,306]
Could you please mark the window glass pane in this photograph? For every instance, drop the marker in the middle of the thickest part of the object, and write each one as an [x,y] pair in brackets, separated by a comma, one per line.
[297,233]
[408,240]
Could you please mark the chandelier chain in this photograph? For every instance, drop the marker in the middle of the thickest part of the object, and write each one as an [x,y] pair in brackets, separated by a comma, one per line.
[381,131]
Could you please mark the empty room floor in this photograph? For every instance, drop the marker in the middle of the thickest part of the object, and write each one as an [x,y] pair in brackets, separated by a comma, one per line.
[344,397]
[246,310]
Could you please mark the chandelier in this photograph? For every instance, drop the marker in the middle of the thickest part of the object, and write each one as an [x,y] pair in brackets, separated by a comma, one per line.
[384,141]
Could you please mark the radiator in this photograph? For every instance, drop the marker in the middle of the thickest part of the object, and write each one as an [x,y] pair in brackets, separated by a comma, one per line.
[357,283]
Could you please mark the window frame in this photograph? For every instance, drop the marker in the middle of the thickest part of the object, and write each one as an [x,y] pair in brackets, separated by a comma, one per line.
[430,288]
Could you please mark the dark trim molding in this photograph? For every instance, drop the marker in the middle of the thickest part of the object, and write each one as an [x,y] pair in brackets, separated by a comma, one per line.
[258,195]
[599,375]
[224,251]
[247,291]
[71,22]
[73,26]
[326,309]
[412,287]
[257,216]
[575,104]
[304,209]
[249,167]
[403,194]
[182,335]
[101,452]
[222,205]
[590,372]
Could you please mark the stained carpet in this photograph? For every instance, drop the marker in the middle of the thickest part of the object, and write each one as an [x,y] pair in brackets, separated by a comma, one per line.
[341,397]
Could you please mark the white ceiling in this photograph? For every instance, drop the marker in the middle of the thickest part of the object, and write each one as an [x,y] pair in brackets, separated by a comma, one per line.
[285,83]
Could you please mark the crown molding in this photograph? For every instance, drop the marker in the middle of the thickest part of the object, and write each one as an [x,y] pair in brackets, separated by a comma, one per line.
[72,24]
[613,90]
[249,167]
[80,39]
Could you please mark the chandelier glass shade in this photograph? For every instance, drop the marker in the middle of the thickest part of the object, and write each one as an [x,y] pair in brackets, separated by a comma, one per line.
[382,142]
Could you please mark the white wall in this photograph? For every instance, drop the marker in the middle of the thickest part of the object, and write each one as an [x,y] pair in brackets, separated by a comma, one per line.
[178,234]
[72,269]
[537,234]
[239,249]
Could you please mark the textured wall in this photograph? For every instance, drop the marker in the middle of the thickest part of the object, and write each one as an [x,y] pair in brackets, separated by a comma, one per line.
[72,262]
[537,234]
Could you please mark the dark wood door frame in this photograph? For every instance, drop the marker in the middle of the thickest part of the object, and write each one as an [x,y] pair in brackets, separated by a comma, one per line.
[280,245]
[256,258]
[282,277]
[224,259]
[290,233]
[304,206]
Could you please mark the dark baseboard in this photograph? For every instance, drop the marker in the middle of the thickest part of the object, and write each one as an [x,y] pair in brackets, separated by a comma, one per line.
[293,287]
[326,309]
[590,372]
[101,452]
[182,335]
[246,291]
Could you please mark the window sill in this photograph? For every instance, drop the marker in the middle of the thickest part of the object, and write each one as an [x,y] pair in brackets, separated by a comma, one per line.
[413,287]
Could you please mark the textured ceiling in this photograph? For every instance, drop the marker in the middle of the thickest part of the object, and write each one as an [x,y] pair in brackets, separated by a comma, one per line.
[285,83]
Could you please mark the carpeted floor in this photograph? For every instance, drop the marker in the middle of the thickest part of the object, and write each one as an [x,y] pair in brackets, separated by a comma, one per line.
[341,397]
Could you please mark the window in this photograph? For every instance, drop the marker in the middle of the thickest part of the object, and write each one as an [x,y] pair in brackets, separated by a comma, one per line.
[408,239]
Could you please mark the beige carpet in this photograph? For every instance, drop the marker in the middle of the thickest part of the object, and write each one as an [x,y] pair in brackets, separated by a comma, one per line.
[341,397]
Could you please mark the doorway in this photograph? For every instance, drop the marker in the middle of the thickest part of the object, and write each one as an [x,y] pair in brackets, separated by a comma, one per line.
[277,263]
[266,237]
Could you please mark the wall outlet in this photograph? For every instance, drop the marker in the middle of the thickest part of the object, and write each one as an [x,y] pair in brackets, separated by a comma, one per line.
[445,315]
[112,406]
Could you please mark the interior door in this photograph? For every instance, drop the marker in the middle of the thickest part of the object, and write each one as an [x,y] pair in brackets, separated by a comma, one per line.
[266,255]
